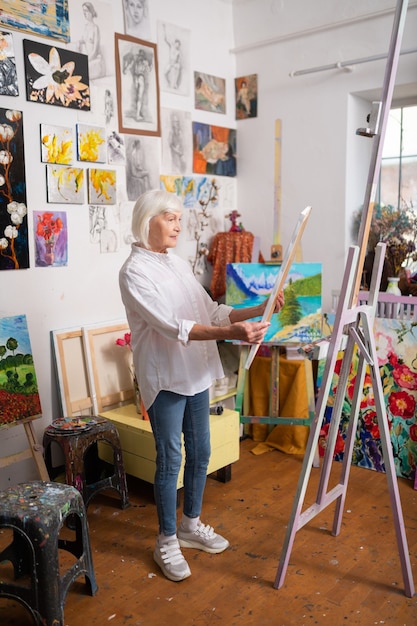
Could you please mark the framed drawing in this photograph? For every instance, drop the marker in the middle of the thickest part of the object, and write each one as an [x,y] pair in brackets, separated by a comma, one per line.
[51,22]
[71,372]
[19,397]
[137,86]
[56,76]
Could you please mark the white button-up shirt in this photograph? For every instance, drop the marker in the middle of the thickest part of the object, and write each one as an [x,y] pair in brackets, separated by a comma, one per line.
[163,301]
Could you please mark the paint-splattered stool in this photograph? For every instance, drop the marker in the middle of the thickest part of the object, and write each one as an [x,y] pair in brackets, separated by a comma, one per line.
[32,517]
[84,469]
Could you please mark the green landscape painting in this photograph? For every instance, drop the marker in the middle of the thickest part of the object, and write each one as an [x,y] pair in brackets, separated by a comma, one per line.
[19,397]
[300,319]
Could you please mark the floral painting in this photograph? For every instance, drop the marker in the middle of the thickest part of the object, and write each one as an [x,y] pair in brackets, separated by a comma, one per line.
[214,150]
[14,251]
[51,239]
[57,144]
[65,184]
[101,186]
[396,344]
[246,94]
[299,320]
[8,75]
[56,76]
[19,397]
[91,143]
[209,93]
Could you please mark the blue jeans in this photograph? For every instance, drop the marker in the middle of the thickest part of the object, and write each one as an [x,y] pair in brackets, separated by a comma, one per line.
[170,415]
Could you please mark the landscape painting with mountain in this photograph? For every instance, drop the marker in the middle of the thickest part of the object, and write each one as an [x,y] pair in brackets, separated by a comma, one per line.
[300,319]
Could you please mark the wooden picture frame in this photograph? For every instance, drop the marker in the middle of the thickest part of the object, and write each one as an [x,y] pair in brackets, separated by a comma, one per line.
[282,275]
[93,373]
[137,83]
[108,366]
[71,371]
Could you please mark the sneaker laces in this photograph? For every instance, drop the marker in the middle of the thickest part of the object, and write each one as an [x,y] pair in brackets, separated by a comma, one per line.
[171,553]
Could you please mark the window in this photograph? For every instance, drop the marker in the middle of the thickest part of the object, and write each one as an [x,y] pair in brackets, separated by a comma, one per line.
[398,177]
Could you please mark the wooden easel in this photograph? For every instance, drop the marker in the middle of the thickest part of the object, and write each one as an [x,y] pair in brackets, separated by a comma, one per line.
[355,325]
[273,417]
[34,451]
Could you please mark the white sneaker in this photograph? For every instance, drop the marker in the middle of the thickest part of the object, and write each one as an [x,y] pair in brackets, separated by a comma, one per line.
[203,538]
[171,560]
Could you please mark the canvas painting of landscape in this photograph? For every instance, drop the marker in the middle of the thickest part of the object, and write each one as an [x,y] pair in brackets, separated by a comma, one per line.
[19,397]
[300,320]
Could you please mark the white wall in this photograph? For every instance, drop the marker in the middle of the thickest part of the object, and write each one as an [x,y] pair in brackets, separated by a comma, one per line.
[86,291]
[323,163]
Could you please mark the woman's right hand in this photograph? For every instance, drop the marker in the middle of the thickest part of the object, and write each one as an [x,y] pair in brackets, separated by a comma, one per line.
[249,332]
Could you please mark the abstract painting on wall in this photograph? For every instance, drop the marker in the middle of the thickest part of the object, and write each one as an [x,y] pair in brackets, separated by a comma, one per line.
[14,251]
[19,397]
[65,184]
[57,144]
[8,75]
[91,143]
[51,238]
[214,150]
[101,186]
[56,76]
[300,319]
[49,19]
[209,93]
[246,93]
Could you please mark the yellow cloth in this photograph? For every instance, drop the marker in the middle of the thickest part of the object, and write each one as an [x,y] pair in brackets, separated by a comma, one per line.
[293,402]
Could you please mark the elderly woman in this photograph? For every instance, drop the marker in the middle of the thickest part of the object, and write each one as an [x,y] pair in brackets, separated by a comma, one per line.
[174,327]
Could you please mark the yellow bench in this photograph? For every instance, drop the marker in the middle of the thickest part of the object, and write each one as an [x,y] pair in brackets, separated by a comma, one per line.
[138,446]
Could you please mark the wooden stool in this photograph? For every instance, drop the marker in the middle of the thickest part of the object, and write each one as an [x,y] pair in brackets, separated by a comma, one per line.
[83,467]
[36,512]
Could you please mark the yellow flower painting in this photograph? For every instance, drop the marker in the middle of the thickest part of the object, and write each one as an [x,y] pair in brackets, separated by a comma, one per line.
[57,144]
[92,144]
[65,184]
[102,186]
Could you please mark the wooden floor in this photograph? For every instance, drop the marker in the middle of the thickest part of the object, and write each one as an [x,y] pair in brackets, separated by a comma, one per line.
[354,578]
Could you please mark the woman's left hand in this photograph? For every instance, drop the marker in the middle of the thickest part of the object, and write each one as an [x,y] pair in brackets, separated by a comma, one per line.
[279,302]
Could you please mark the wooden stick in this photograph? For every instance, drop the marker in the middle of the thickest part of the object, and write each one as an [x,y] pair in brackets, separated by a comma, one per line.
[282,275]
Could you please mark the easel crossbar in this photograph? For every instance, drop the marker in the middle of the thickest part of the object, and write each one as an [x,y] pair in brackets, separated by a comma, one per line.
[318,507]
